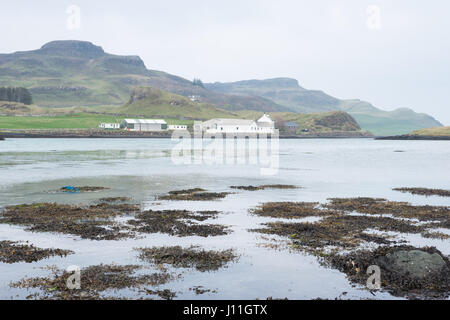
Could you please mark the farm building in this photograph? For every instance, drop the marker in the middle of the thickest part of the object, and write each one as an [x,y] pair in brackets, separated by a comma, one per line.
[291,127]
[177,127]
[144,125]
[262,125]
[104,125]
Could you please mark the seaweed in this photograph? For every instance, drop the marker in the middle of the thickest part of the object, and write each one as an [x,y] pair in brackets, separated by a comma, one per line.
[90,222]
[425,191]
[192,257]
[291,210]
[266,186]
[194,194]
[397,209]
[12,252]
[93,281]
[177,223]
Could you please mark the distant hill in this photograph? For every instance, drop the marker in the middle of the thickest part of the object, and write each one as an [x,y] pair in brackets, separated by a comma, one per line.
[289,93]
[79,73]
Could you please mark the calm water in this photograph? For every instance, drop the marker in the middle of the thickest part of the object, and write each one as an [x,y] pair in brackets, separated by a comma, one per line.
[31,170]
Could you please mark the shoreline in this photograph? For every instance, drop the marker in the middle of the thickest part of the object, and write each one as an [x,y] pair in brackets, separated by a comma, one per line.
[414,137]
[77,134]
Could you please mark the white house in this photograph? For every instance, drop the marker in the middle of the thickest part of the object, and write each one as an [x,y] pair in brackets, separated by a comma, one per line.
[144,125]
[109,125]
[177,127]
[263,125]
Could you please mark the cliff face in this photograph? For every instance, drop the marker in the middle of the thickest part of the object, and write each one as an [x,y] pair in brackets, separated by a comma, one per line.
[72,48]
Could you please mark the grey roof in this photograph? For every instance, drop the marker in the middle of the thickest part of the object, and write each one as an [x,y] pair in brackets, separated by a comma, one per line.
[291,124]
[146,121]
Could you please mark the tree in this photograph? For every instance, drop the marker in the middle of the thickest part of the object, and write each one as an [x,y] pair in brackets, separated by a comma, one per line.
[16,94]
[198,82]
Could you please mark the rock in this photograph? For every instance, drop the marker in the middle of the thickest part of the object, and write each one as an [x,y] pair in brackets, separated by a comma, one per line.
[413,263]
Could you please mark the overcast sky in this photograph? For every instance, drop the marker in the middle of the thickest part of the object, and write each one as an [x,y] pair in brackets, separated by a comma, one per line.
[390,53]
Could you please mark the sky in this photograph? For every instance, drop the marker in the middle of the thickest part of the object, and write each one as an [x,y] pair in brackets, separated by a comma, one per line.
[391,53]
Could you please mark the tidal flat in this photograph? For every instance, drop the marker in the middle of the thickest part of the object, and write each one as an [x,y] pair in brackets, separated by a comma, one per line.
[142,227]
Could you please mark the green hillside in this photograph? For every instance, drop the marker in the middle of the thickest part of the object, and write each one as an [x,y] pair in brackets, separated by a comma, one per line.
[153,102]
[439,131]
[78,73]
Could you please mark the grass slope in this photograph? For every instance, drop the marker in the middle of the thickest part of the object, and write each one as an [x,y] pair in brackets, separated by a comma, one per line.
[154,102]
[439,131]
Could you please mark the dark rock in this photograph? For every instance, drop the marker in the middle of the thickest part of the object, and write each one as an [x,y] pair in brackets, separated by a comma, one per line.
[414,263]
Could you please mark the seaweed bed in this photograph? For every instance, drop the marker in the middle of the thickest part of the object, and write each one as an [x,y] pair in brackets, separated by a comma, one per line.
[425,191]
[94,280]
[89,222]
[290,210]
[191,257]
[178,223]
[195,194]
[96,222]
[115,199]
[266,186]
[342,230]
[396,209]
[12,252]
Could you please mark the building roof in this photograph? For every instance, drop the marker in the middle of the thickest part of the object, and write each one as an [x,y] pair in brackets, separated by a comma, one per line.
[230,122]
[265,118]
[291,124]
[146,121]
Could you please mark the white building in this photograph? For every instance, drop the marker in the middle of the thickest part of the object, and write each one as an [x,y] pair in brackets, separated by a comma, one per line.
[263,125]
[144,125]
[177,127]
[104,125]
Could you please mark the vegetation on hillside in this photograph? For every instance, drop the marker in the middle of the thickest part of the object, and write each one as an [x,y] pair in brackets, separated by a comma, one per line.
[438,131]
[15,94]
[153,102]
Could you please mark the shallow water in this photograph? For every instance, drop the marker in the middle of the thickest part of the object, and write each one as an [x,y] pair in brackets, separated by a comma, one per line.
[32,170]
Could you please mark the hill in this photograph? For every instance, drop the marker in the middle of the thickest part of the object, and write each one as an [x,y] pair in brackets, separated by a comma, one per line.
[439,131]
[70,73]
[289,93]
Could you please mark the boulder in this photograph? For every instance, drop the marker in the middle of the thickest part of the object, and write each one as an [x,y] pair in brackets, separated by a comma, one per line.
[413,263]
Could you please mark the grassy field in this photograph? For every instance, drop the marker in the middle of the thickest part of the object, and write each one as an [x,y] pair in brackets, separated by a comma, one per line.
[69,121]
[438,131]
